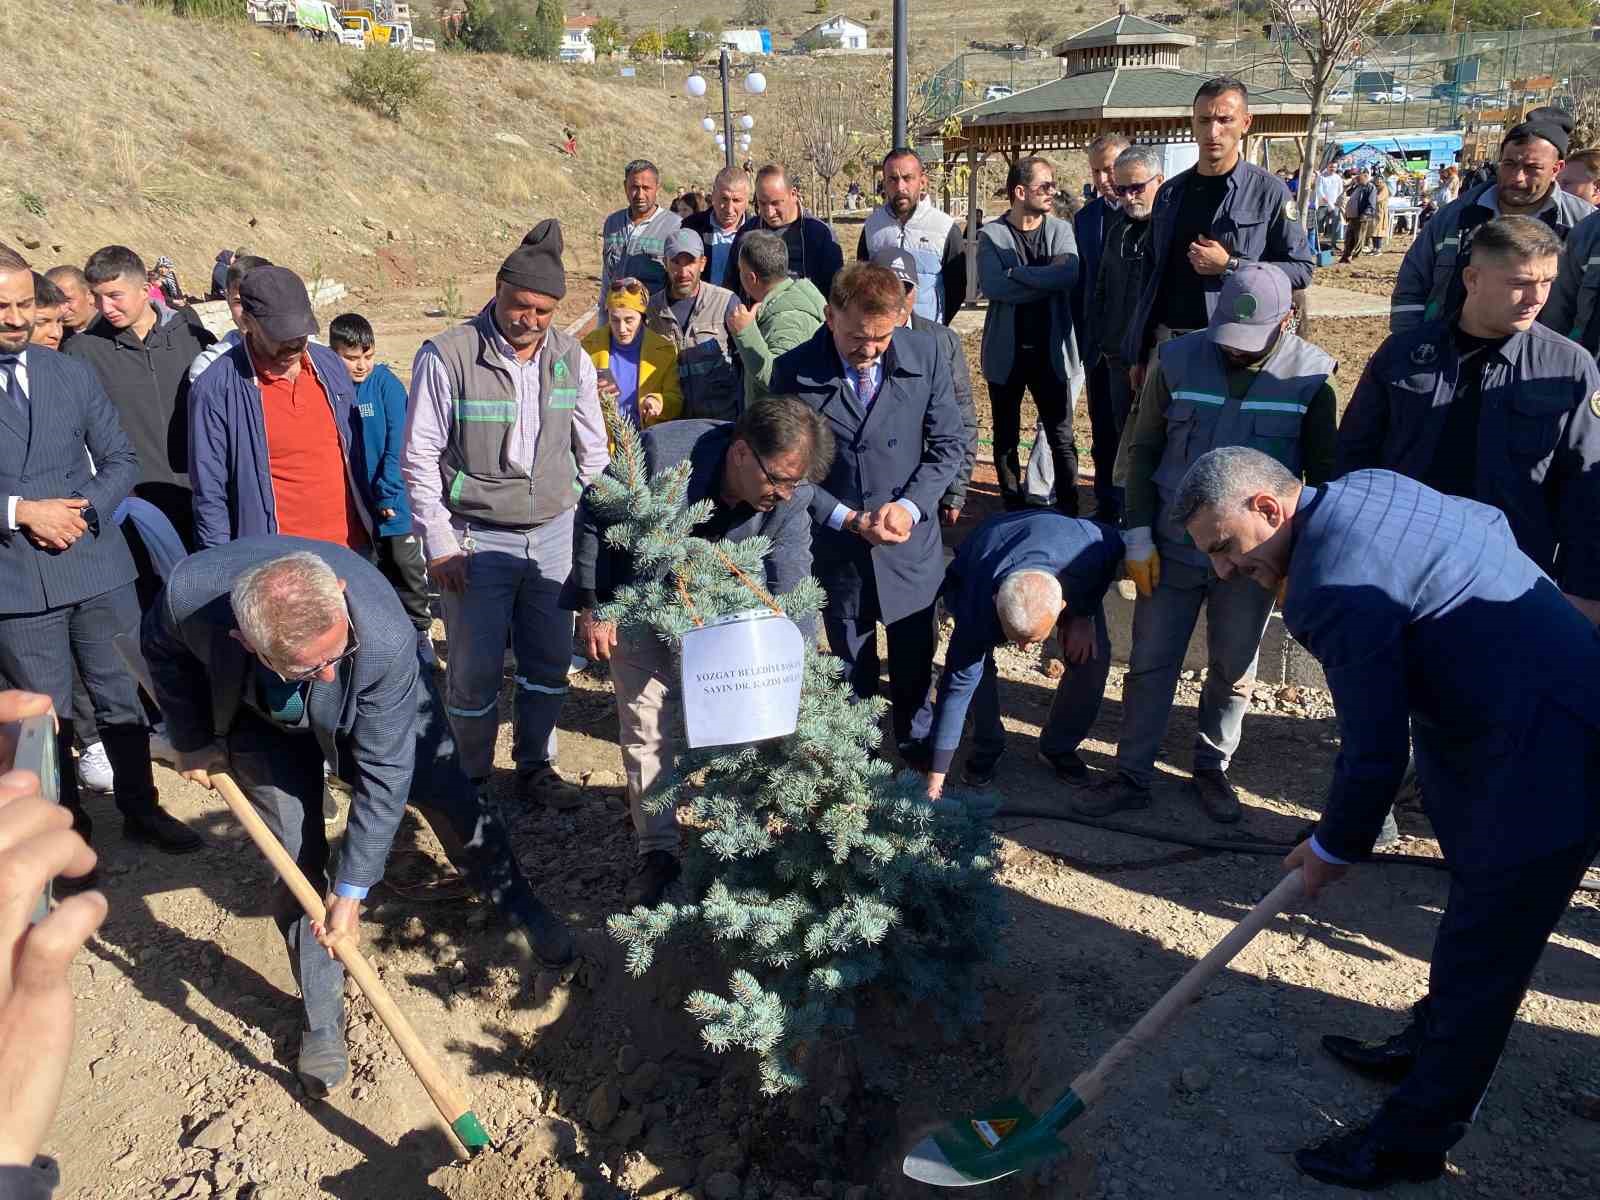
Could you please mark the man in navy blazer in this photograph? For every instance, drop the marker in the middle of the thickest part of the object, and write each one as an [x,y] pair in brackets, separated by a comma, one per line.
[1425,615]
[66,576]
[887,394]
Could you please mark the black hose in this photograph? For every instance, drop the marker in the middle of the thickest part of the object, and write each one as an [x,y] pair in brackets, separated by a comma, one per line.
[1220,845]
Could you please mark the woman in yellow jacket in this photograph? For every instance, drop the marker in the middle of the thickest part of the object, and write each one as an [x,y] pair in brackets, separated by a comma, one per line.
[638,369]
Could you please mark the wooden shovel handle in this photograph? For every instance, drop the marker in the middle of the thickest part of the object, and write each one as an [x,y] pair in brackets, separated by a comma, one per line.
[1092,1083]
[451,1104]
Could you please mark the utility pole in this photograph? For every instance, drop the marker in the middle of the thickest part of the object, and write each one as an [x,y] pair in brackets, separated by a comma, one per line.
[902,74]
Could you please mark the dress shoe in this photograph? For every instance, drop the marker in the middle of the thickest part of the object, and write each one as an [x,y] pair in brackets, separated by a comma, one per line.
[1217,795]
[1389,1060]
[1354,1159]
[161,830]
[544,784]
[655,872]
[980,770]
[1114,794]
[324,1062]
[1068,767]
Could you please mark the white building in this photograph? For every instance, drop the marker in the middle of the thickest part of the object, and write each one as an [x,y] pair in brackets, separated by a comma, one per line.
[851,35]
[576,43]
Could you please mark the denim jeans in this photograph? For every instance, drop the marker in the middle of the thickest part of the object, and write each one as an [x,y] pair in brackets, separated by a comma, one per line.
[1236,617]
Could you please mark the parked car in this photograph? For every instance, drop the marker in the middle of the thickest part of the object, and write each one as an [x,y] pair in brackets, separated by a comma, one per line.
[1341,96]
[998,91]
[1394,95]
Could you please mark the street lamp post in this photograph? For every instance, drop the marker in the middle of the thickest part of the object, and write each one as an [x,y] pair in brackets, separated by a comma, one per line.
[1516,51]
[755,83]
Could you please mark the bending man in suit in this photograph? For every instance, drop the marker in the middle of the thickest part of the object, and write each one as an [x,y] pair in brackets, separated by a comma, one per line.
[271,655]
[66,576]
[886,392]
[1403,594]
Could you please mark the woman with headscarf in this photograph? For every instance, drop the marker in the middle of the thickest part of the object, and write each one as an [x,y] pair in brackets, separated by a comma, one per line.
[637,367]
[166,278]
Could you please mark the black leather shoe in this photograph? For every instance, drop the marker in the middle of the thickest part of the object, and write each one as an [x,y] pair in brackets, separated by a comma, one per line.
[1111,795]
[651,878]
[1217,795]
[980,771]
[161,830]
[1068,767]
[1356,1160]
[1390,1060]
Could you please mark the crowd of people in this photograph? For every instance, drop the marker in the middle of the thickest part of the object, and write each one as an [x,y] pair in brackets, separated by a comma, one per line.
[236,542]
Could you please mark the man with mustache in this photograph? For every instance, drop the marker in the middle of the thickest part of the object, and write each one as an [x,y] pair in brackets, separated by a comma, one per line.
[909,220]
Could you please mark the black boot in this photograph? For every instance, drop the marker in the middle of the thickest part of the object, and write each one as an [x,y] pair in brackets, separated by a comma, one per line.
[1355,1159]
[1217,795]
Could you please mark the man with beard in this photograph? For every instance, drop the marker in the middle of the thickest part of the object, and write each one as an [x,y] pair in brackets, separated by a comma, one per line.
[634,239]
[1124,264]
[908,220]
[692,315]
[1089,227]
[1244,380]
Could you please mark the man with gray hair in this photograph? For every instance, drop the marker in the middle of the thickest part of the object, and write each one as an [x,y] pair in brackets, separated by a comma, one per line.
[1124,266]
[1015,579]
[1089,226]
[1404,594]
[270,655]
[634,239]
[723,221]
[1243,380]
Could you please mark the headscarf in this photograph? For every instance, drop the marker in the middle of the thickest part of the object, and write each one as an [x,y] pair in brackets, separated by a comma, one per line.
[628,293]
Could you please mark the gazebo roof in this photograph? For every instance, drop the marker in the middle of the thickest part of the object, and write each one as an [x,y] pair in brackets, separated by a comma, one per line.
[1124,29]
[1099,95]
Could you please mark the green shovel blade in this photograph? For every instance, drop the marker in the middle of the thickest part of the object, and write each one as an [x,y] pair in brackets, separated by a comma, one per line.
[1001,1140]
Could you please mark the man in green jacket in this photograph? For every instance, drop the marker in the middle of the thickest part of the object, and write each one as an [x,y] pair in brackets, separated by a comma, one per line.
[786,311]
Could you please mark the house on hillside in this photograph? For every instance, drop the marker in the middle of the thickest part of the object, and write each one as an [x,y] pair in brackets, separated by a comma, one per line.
[851,35]
[577,44]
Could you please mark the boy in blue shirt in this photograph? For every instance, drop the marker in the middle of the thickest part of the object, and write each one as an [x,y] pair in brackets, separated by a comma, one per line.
[381,401]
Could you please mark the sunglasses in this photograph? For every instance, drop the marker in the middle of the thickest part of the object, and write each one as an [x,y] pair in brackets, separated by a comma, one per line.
[1132,189]
[307,673]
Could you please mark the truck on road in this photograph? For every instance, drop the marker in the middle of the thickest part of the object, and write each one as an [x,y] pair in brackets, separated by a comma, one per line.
[314,19]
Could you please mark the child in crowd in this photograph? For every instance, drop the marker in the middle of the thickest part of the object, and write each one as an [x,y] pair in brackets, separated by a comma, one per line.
[381,399]
[49,306]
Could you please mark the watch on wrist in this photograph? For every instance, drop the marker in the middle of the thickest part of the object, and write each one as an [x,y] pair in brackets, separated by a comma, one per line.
[1233,265]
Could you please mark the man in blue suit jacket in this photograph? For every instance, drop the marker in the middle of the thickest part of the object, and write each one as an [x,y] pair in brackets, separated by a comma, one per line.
[887,394]
[66,577]
[272,655]
[1406,596]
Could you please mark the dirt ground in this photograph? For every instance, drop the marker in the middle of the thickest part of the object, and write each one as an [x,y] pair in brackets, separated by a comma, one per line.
[182,1080]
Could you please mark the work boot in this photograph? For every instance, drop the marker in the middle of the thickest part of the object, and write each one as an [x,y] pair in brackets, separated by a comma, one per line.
[543,936]
[1116,793]
[324,1062]
[1068,767]
[651,878]
[1355,1159]
[981,769]
[1217,795]
[161,830]
[543,784]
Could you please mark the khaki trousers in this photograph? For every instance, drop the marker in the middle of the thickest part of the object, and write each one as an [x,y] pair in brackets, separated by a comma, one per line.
[644,675]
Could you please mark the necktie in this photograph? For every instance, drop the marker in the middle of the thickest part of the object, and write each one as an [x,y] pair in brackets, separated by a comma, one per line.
[10,364]
[864,386]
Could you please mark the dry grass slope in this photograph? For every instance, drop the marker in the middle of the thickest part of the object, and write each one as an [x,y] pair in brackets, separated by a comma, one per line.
[181,137]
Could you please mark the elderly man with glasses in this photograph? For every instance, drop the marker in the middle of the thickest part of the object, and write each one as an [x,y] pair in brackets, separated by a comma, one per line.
[757,473]
[270,655]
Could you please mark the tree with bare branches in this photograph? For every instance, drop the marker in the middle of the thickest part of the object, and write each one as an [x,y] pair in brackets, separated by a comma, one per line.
[822,121]
[1320,36]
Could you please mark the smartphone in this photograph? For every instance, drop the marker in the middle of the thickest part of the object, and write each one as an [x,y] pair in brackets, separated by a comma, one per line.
[37,752]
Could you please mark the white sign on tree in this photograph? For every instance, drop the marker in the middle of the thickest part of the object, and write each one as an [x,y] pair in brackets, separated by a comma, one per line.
[741,679]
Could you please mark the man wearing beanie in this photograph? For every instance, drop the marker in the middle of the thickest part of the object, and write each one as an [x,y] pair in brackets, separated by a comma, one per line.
[503,433]
[1430,286]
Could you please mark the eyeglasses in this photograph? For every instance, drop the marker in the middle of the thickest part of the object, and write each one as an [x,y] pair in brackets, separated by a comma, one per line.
[307,673]
[783,486]
[1132,189]
[1049,185]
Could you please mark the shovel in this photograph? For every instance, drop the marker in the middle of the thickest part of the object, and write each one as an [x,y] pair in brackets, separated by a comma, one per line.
[1007,1136]
[468,1135]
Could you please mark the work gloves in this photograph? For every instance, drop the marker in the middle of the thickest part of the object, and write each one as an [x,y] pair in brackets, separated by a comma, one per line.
[1142,564]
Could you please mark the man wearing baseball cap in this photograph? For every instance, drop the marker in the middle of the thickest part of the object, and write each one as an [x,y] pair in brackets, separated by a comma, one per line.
[693,315]
[272,424]
[1244,380]
[902,264]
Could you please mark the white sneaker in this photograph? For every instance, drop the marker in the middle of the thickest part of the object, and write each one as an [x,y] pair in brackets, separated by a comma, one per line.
[94,768]
[160,749]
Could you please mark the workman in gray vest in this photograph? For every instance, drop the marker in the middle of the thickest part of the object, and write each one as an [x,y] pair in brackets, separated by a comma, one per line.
[1429,287]
[693,315]
[633,240]
[1244,380]
[503,434]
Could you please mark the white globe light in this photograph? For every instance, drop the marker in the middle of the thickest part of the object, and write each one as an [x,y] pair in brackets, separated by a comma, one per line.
[755,83]
[695,85]
[722,142]
[747,122]
[708,124]
[744,141]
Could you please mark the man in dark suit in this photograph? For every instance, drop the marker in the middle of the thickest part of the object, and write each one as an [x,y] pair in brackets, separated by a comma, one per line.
[1089,227]
[66,577]
[886,392]
[271,655]
[1423,612]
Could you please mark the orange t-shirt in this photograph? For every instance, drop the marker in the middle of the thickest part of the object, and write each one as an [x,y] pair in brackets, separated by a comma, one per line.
[311,490]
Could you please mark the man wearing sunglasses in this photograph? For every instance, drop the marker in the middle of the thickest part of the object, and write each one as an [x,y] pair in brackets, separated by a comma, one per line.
[270,655]
[758,473]
[1124,264]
